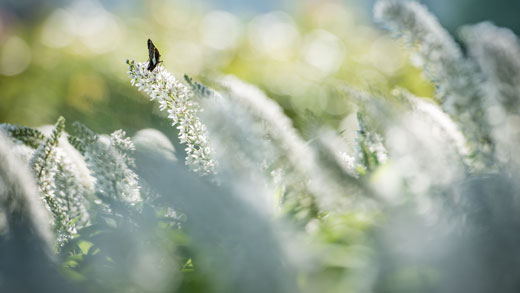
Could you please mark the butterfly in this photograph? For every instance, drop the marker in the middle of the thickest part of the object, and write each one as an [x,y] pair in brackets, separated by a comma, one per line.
[153,56]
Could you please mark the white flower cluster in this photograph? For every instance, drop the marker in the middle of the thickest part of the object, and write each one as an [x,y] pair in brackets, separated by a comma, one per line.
[19,197]
[456,78]
[57,170]
[177,100]
[441,121]
[46,163]
[302,158]
[70,193]
[435,50]
[348,161]
[497,52]
[121,141]
[111,167]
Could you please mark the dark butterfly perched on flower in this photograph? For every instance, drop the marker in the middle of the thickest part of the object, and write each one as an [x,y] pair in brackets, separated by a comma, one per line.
[153,56]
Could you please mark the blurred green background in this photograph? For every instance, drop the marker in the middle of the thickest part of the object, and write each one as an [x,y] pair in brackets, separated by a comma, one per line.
[68,57]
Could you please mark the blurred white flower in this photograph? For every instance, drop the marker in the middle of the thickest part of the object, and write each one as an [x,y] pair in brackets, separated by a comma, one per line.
[273,34]
[302,158]
[457,81]
[220,30]
[323,50]
[86,21]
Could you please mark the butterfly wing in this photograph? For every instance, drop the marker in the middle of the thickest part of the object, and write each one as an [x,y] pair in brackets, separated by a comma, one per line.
[157,55]
[153,56]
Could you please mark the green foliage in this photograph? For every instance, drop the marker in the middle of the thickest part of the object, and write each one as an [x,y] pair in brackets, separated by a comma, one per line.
[44,163]
[43,157]
[198,89]
[84,137]
[370,150]
[109,164]
[27,135]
